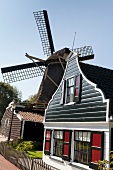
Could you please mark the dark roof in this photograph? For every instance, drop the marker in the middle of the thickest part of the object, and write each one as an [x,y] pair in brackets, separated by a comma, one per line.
[103,77]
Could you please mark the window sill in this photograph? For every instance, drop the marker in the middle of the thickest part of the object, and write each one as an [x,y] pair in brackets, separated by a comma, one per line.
[80,166]
[57,159]
[71,103]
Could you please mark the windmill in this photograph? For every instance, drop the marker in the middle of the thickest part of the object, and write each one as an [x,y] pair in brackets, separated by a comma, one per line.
[51,69]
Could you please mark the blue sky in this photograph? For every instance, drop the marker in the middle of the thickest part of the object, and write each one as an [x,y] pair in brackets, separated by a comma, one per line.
[91,19]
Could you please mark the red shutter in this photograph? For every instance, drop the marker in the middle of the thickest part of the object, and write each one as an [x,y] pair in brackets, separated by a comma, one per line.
[96,154]
[66,136]
[97,146]
[47,141]
[66,150]
[96,140]
[66,146]
[77,88]
[47,146]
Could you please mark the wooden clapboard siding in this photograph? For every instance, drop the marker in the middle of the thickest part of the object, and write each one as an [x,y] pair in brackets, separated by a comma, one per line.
[6,128]
[91,108]
[16,124]
[16,127]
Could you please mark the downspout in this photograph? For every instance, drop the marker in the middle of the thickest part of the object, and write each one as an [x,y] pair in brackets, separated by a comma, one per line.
[22,131]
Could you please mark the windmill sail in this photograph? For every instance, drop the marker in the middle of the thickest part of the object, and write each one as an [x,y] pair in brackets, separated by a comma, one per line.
[43,25]
[22,72]
[85,53]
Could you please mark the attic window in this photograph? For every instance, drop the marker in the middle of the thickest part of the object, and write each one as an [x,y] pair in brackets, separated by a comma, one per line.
[71,90]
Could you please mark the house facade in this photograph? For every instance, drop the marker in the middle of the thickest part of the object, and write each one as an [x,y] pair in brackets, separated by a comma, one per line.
[78,119]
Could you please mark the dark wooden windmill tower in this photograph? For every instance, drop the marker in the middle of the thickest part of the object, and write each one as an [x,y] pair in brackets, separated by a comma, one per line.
[51,69]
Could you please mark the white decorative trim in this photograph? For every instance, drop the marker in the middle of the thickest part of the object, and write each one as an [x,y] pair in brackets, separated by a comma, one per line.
[78,125]
[96,88]
[19,117]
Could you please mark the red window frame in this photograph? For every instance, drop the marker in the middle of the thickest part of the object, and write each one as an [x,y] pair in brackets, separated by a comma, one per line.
[47,141]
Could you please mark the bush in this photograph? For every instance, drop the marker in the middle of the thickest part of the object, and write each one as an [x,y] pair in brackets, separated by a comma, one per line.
[25,146]
[35,154]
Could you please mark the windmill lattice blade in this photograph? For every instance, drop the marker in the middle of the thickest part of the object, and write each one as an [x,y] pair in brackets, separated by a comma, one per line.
[22,72]
[42,22]
[84,51]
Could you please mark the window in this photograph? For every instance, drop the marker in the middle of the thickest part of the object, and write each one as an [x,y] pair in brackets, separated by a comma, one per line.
[82,146]
[88,147]
[61,147]
[47,142]
[71,90]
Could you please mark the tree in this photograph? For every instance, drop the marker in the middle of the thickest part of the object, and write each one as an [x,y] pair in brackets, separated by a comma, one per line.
[32,98]
[28,102]
[7,94]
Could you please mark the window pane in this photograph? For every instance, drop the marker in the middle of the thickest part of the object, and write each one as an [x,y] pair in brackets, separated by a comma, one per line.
[76,135]
[81,146]
[89,136]
[55,134]
[76,156]
[59,146]
[61,134]
[77,146]
[84,136]
[80,136]
[70,90]
[70,82]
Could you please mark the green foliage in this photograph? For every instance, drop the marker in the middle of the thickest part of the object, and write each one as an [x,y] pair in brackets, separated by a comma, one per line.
[7,94]
[25,146]
[35,154]
[29,101]
[102,165]
[32,98]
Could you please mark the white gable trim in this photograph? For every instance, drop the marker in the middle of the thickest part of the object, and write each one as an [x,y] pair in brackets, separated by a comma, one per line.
[96,88]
